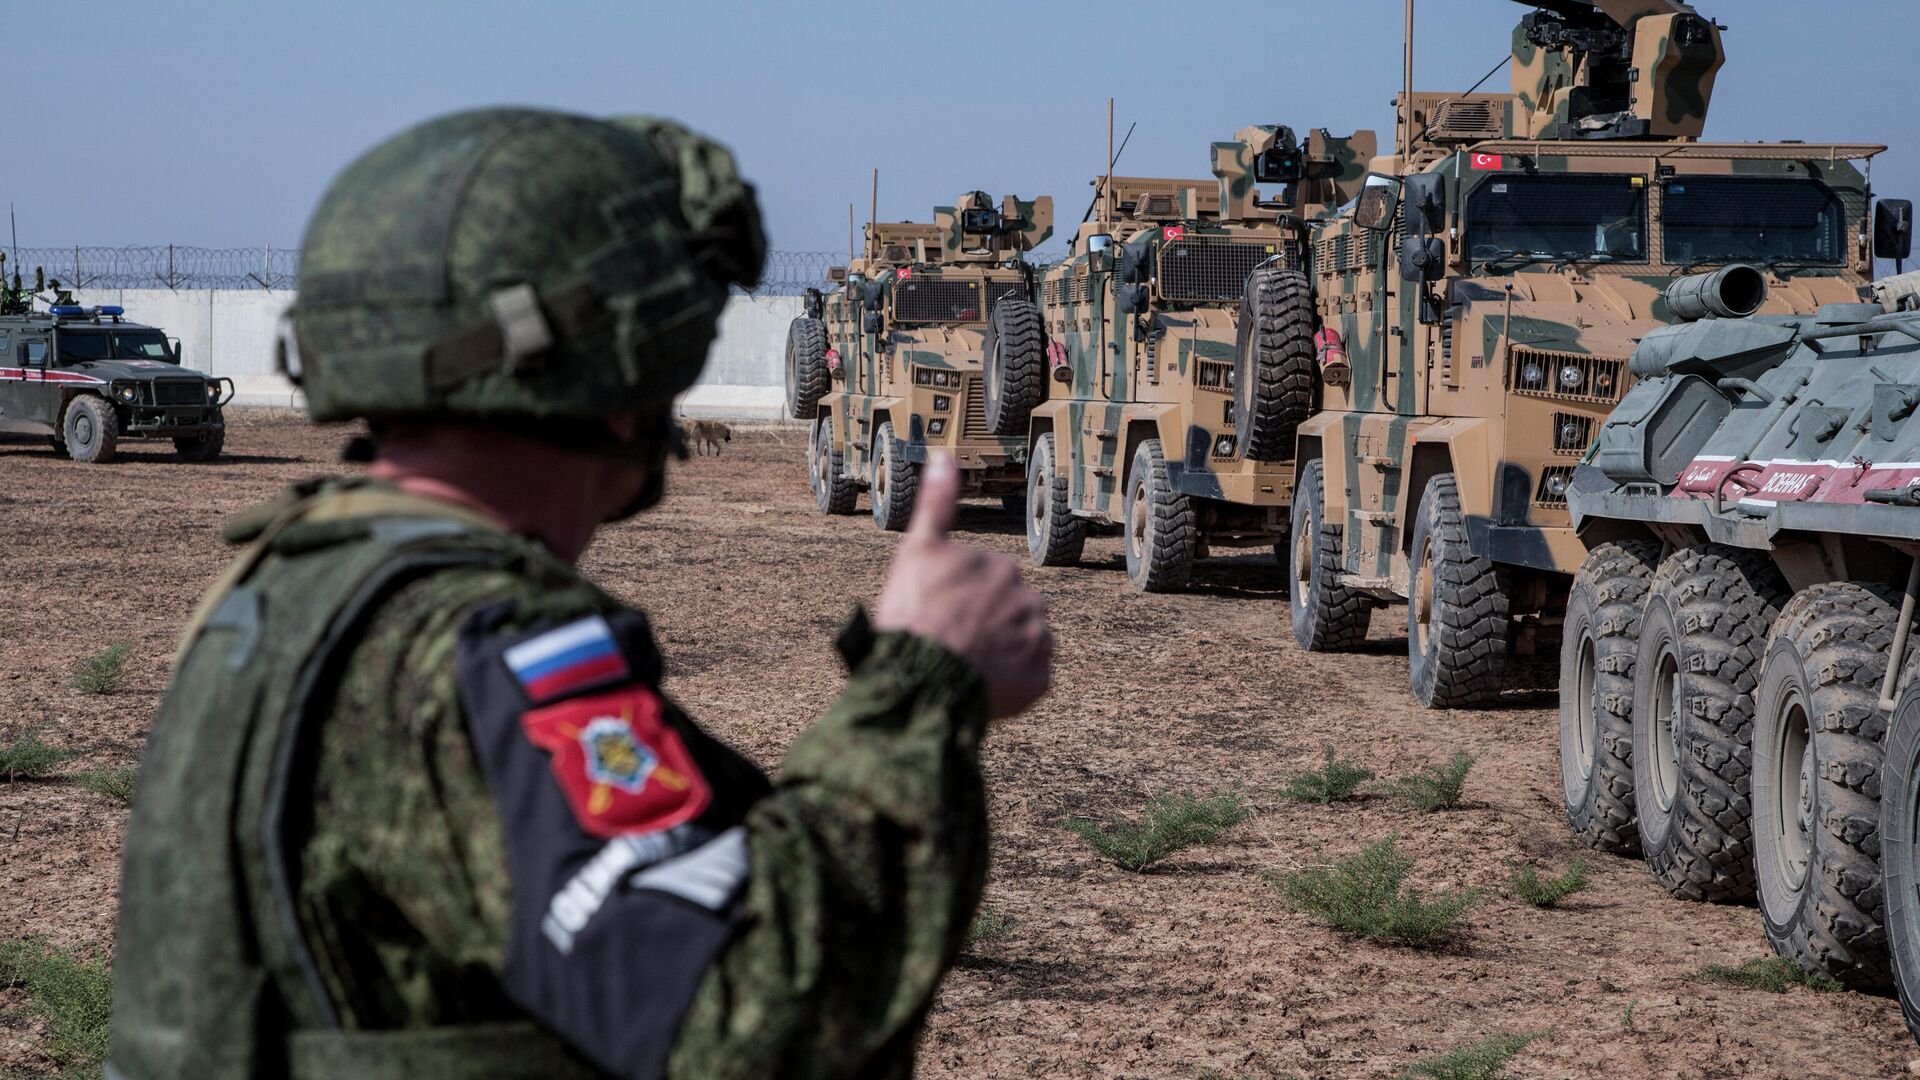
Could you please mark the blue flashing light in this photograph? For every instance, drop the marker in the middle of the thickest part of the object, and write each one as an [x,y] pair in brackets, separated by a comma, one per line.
[112,309]
[67,309]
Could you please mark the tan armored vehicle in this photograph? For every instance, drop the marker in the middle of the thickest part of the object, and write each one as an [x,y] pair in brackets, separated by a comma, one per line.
[1485,292]
[903,339]
[1179,359]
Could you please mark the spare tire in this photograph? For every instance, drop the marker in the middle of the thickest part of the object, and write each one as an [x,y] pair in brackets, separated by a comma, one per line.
[807,375]
[1014,364]
[1273,364]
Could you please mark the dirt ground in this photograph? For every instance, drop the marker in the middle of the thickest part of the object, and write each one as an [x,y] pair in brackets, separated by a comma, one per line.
[1104,973]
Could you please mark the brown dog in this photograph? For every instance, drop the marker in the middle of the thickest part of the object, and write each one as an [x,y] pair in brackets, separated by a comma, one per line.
[704,433]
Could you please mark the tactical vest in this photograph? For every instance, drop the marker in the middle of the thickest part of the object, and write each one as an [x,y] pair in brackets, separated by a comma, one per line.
[214,979]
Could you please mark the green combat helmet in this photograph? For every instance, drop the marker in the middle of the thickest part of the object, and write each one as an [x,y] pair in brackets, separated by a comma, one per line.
[520,267]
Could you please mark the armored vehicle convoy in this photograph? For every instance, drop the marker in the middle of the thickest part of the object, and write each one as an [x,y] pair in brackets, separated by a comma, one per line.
[1487,289]
[1730,672]
[900,345]
[87,378]
[1180,358]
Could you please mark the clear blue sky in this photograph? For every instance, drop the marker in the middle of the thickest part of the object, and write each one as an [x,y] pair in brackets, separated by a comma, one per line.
[219,124]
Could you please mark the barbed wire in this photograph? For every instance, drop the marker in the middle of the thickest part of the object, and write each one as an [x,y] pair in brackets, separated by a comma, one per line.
[170,266]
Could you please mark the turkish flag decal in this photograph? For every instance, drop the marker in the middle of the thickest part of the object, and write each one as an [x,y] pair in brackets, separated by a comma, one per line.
[1175,232]
[1488,162]
[623,769]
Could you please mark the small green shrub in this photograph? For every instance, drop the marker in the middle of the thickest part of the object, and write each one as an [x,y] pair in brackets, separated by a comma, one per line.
[115,783]
[75,996]
[1334,781]
[31,759]
[1366,894]
[1626,1016]
[1482,1060]
[1435,787]
[1769,973]
[101,673]
[1167,824]
[989,924]
[1544,891]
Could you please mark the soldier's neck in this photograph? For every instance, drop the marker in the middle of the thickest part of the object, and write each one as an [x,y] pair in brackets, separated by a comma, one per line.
[522,484]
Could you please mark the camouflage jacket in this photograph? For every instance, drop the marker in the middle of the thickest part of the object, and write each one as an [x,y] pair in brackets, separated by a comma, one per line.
[498,816]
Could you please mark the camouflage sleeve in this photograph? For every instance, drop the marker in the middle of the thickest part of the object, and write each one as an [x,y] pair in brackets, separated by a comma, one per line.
[866,865]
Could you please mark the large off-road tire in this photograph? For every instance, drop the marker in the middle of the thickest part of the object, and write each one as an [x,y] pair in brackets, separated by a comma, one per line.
[1702,639]
[1900,838]
[202,447]
[1161,530]
[1273,363]
[1817,753]
[833,492]
[1327,616]
[807,377]
[1597,648]
[1457,608]
[1013,364]
[90,429]
[894,483]
[1055,537]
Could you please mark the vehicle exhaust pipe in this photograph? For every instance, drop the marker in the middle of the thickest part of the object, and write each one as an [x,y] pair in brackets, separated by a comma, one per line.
[1731,292]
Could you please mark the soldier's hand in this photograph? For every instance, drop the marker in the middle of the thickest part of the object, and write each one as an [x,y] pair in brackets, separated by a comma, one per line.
[971,601]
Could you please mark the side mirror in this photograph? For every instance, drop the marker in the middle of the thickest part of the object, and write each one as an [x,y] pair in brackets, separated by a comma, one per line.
[871,324]
[174,344]
[1893,229]
[1377,205]
[872,294]
[1098,243]
[1133,262]
[1423,259]
[1425,198]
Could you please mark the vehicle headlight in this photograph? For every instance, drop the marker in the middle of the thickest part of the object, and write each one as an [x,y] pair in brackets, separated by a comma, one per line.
[1570,434]
[941,403]
[1571,377]
[1532,374]
[213,391]
[1557,485]
[125,392]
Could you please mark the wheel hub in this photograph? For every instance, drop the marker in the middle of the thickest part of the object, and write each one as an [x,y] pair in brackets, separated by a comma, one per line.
[1793,776]
[1142,521]
[1806,796]
[1666,747]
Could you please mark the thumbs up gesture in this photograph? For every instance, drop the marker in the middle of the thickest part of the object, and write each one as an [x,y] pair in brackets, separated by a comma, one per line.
[968,600]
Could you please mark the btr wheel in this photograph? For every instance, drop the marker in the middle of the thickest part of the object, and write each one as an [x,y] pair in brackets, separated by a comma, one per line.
[202,447]
[1701,644]
[1161,533]
[833,493]
[1456,608]
[1817,756]
[1900,838]
[894,483]
[1597,649]
[1055,537]
[91,429]
[1327,616]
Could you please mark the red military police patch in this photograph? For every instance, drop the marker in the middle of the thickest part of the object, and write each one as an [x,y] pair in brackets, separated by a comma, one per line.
[623,768]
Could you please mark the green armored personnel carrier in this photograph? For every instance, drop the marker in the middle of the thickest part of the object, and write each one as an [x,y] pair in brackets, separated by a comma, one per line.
[1179,359]
[1740,683]
[887,365]
[1486,290]
[87,378]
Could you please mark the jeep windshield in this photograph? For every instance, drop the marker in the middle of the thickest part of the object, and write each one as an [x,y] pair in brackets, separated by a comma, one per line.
[79,346]
[1514,221]
[1769,220]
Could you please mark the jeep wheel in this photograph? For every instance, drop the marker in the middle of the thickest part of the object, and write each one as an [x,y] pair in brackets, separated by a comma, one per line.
[1014,364]
[1055,537]
[91,429]
[1273,364]
[1456,608]
[833,493]
[1816,783]
[894,483]
[807,375]
[1597,648]
[202,447]
[1327,616]
[1900,839]
[1162,535]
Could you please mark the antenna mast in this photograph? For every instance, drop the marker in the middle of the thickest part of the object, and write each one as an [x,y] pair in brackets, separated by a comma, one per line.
[1106,189]
[873,210]
[850,255]
[1406,98]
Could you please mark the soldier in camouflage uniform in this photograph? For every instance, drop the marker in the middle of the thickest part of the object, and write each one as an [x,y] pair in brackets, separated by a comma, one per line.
[416,805]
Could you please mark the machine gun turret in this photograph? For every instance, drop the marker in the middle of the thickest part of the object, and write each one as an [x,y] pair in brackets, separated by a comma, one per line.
[1614,69]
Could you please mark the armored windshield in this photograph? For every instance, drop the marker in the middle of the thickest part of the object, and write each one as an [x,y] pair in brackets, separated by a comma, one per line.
[1516,220]
[1711,219]
[79,346]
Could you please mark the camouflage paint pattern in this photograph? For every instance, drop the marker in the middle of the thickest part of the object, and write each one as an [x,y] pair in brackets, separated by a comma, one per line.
[1662,91]
[1167,370]
[921,374]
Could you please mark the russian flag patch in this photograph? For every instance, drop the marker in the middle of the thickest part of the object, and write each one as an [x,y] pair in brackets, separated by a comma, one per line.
[575,656]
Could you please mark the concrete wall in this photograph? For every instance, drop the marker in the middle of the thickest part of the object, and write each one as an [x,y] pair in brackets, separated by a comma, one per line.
[231,332]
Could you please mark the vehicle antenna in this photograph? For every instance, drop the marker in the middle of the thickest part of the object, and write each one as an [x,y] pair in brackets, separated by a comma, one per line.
[850,255]
[1406,97]
[873,212]
[1106,209]
[1505,61]
[1110,163]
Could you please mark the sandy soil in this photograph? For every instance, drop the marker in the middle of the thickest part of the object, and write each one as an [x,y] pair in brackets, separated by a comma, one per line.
[1196,966]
